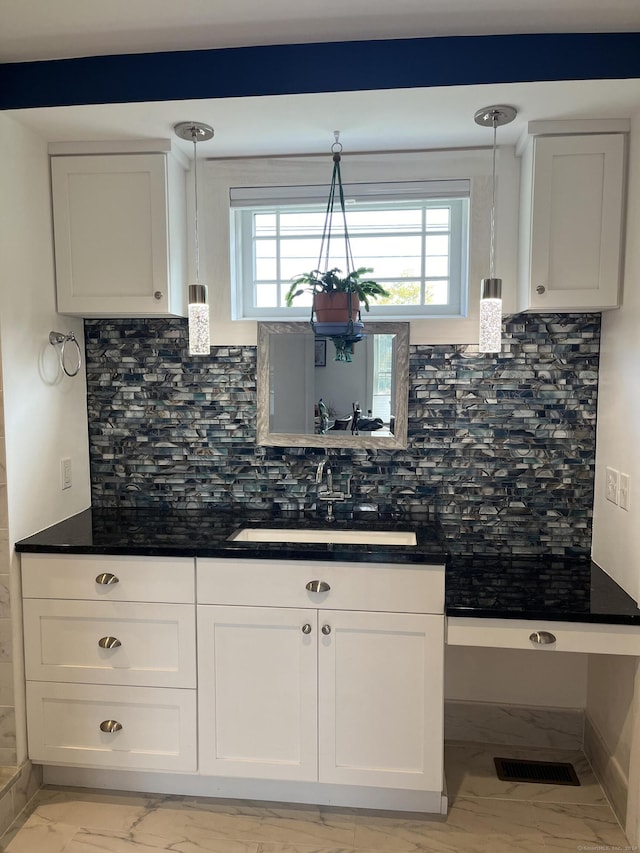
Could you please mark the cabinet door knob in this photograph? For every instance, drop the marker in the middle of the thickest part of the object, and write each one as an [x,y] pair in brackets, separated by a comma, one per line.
[158,294]
[110,726]
[107,578]
[540,289]
[542,638]
[326,630]
[109,642]
[306,628]
[318,586]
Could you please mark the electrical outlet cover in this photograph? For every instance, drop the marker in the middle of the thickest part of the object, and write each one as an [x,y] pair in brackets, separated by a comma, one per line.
[624,489]
[65,473]
[611,484]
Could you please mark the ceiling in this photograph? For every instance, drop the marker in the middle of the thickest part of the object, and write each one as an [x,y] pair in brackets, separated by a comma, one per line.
[53,29]
[300,124]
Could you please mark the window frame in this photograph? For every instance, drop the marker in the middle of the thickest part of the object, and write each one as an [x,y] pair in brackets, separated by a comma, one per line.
[245,202]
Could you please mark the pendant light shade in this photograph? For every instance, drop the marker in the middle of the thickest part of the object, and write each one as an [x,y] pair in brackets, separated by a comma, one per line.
[199,331]
[491,287]
[199,335]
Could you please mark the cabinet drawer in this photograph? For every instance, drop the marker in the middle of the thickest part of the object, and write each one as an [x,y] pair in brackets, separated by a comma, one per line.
[158,726]
[592,638]
[137,578]
[387,587]
[155,642]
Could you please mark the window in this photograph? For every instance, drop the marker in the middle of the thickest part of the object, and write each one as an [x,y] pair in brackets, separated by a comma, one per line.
[413,235]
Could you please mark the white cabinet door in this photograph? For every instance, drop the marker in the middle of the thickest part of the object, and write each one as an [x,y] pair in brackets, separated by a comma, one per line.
[112,230]
[381,699]
[257,700]
[571,222]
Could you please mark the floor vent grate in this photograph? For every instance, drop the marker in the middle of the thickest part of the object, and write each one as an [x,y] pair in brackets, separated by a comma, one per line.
[544,772]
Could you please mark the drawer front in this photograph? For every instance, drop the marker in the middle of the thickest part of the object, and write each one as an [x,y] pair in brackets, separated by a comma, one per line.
[564,636]
[86,577]
[110,642]
[387,587]
[158,727]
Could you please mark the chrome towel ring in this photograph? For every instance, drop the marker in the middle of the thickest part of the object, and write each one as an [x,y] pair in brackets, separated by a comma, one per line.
[61,340]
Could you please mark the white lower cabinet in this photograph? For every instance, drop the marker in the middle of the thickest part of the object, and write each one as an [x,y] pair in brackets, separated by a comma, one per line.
[318,699]
[318,694]
[110,662]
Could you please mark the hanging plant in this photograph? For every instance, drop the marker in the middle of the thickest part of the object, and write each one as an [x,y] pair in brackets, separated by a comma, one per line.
[337,297]
[331,283]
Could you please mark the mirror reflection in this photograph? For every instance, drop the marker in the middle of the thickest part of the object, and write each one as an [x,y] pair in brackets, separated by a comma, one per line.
[309,395]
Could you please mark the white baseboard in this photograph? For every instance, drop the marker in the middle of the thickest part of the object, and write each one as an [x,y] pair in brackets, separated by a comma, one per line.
[607,768]
[429,802]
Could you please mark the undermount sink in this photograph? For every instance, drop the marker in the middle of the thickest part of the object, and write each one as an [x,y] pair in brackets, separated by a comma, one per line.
[326,537]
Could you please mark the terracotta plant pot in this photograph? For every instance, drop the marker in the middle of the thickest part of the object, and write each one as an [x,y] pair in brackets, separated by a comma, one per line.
[334,307]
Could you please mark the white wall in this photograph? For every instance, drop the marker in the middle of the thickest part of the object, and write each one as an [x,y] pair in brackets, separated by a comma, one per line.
[496,675]
[616,533]
[45,414]
[611,704]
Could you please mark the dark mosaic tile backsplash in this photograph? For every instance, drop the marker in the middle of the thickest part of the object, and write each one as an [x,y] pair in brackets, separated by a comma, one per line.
[502,448]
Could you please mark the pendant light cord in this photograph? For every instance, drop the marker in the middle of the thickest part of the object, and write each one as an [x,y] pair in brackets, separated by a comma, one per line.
[493,200]
[195,181]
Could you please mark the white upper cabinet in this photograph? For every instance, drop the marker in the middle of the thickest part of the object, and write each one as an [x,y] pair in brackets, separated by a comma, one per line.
[120,234]
[571,222]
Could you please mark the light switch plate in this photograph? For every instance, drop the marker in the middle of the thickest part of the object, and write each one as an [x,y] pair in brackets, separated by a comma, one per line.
[612,478]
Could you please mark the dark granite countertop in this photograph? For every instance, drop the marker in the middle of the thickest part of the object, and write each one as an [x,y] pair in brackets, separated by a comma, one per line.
[550,588]
[205,533]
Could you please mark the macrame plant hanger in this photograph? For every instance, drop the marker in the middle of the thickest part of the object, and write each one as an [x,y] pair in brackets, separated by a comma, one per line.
[343,341]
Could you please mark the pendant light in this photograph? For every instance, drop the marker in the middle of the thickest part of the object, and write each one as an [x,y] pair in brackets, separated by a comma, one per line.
[199,335]
[491,288]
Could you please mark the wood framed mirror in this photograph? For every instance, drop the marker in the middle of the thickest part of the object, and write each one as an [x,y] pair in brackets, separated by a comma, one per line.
[306,398]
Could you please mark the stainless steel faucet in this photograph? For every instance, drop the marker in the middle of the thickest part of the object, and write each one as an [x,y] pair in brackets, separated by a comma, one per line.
[328,494]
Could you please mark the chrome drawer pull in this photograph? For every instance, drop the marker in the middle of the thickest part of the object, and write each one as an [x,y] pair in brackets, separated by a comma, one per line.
[542,638]
[326,630]
[109,642]
[318,586]
[306,628]
[110,726]
[107,578]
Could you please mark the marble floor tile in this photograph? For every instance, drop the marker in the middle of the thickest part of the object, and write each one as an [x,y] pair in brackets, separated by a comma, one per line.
[275,847]
[569,826]
[93,811]
[41,835]
[469,823]
[470,772]
[485,816]
[90,841]
[307,827]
